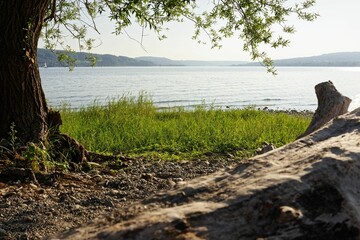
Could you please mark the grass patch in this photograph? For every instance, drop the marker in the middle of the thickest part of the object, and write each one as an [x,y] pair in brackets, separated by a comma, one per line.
[134,126]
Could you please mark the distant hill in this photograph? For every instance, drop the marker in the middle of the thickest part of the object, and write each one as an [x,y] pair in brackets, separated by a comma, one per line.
[161,61]
[340,59]
[48,57]
[348,59]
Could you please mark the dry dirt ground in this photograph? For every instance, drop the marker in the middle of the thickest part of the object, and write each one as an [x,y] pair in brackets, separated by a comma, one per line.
[33,208]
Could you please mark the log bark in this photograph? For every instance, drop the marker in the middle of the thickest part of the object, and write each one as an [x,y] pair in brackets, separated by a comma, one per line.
[309,189]
[331,104]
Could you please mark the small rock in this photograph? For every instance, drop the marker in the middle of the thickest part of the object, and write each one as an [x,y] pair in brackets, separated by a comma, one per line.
[60,187]
[33,186]
[94,172]
[229,155]
[74,199]
[147,176]
[114,192]
[104,183]
[41,191]
[28,219]
[23,205]
[178,179]
[77,206]
[181,183]
[288,214]
[97,178]
[170,183]
[265,147]
[49,214]
[44,196]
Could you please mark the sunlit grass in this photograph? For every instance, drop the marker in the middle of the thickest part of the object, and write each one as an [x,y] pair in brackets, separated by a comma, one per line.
[134,126]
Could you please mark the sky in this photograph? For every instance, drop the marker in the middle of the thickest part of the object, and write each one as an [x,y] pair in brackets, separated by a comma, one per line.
[336,30]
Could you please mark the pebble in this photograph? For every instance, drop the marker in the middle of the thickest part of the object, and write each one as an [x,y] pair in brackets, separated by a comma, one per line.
[49,214]
[74,199]
[143,182]
[41,191]
[33,186]
[114,192]
[170,183]
[288,214]
[97,178]
[147,176]
[23,205]
[103,183]
[178,179]
[77,206]
[181,183]
[229,155]
[44,196]
[28,219]
[94,172]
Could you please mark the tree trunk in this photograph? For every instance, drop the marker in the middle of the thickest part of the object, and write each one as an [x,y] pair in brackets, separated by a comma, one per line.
[330,105]
[22,100]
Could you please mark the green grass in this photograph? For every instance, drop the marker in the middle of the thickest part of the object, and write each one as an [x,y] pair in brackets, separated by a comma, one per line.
[134,126]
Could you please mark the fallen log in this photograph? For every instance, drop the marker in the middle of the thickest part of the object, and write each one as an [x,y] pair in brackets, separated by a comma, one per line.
[331,104]
[309,189]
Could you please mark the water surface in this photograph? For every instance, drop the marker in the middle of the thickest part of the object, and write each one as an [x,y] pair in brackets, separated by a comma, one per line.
[234,87]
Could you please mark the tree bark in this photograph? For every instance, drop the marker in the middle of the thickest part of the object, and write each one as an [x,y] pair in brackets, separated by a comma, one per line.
[331,104]
[22,100]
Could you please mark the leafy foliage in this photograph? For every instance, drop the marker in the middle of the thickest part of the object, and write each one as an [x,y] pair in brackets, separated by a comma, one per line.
[253,21]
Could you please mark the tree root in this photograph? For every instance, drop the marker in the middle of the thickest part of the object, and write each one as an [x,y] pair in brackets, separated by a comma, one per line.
[73,149]
[58,153]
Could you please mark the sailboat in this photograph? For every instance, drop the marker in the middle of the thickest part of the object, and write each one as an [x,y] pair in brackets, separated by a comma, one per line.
[45,65]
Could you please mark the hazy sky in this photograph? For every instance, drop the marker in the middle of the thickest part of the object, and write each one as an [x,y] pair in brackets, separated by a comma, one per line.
[336,30]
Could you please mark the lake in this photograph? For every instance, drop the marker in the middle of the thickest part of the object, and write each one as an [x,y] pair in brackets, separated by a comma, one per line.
[233,87]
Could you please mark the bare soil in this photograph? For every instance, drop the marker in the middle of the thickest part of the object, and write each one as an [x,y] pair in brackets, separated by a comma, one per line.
[33,208]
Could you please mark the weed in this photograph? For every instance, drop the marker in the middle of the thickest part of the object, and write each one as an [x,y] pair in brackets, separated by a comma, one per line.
[38,157]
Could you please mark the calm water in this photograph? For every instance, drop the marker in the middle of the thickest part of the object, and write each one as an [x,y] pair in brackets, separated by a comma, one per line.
[236,87]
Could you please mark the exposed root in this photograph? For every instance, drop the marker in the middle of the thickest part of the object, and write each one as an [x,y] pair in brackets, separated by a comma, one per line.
[59,152]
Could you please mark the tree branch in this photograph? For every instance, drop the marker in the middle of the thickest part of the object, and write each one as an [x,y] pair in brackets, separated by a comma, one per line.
[53,10]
